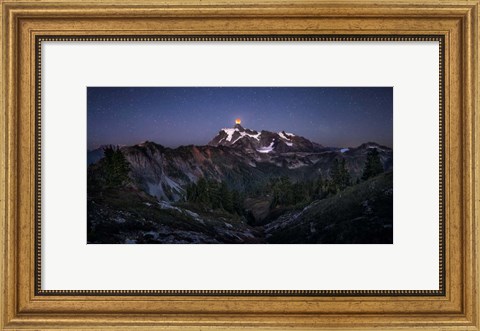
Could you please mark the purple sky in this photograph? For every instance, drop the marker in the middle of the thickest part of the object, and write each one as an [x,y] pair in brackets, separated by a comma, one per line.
[174,116]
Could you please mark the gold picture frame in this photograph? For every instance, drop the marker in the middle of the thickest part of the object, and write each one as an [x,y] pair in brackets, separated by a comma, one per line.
[26,24]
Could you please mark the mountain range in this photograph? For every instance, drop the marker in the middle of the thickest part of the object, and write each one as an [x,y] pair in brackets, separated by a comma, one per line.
[238,156]
[247,161]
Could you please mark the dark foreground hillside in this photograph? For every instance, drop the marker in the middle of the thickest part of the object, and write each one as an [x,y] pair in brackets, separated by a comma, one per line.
[129,216]
[360,214]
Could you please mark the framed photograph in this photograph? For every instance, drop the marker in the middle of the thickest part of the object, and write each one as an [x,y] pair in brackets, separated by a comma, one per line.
[264,165]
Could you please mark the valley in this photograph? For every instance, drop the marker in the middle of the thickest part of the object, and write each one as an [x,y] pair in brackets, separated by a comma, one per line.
[243,187]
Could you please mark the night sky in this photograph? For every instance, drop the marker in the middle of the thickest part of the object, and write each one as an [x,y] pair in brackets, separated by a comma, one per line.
[174,116]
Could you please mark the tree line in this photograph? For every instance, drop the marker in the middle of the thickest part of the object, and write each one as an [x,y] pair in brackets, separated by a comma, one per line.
[214,195]
[287,193]
[217,195]
[111,172]
[284,192]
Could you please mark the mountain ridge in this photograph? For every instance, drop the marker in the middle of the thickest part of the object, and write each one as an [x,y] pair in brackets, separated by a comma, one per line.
[164,172]
[282,188]
[263,141]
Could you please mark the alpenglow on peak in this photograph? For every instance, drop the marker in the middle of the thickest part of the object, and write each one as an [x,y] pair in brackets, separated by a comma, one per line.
[264,141]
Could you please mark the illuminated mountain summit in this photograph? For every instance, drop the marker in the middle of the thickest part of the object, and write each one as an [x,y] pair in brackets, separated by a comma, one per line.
[263,141]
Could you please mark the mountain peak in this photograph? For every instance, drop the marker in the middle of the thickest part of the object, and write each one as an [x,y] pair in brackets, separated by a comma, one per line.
[264,141]
[239,127]
[371,144]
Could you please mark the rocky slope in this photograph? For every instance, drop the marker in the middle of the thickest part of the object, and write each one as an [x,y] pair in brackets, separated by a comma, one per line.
[359,215]
[152,207]
[366,217]
[129,216]
[242,157]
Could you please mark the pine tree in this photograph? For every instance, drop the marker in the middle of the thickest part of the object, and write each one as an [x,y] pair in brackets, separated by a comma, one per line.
[345,178]
[203,194]
[237,201]
[319,188]
[116,167]
[335,173]
[373,165]
[215,197]
[226,197]
[340,177]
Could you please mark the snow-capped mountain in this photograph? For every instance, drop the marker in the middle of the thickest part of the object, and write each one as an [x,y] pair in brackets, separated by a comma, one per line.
[244,186]
[262,174]
[263,142]
[239,156]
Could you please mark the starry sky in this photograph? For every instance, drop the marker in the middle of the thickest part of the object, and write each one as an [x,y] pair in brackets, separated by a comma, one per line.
[174,116]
